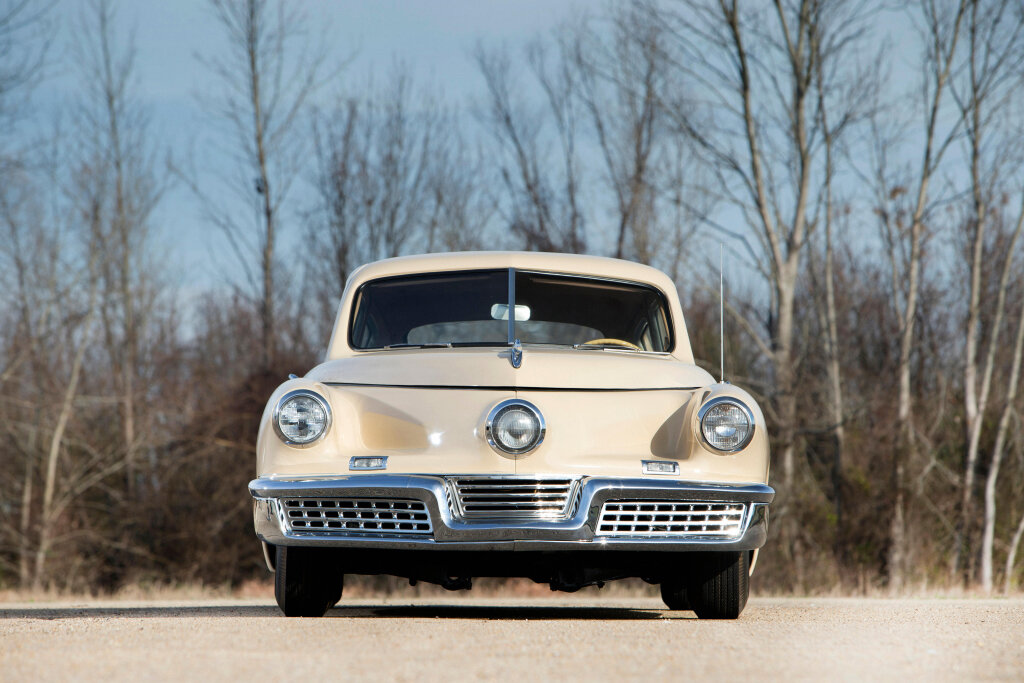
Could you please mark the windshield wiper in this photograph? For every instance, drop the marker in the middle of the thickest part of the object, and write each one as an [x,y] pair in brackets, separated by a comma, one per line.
[617,347]
[427,345]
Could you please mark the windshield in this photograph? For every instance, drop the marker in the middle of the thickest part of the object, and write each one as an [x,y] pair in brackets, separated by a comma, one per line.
[471,308]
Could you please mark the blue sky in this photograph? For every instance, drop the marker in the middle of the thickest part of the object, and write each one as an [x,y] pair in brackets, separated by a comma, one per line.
[435,38]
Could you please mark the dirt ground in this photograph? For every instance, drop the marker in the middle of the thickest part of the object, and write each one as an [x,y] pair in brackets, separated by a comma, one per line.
[462,637]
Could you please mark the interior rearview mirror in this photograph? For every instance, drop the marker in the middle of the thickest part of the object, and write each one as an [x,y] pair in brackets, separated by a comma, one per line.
[500,312]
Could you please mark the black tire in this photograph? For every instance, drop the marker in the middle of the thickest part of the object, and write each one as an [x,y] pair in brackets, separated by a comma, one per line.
[719,585]
[336,593]
[673,593]
[306,581]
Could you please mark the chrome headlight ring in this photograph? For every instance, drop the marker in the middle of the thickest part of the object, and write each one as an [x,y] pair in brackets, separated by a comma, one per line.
[506,406]
[720,401]
[304,393]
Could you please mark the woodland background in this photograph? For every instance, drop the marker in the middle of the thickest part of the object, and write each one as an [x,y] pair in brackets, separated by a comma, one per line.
[869,194]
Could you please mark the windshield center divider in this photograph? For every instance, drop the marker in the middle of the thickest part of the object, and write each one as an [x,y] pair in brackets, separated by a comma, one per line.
[511,306]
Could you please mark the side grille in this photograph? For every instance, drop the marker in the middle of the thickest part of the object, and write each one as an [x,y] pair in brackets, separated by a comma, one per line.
[357,515]
[513,497]
[671,518]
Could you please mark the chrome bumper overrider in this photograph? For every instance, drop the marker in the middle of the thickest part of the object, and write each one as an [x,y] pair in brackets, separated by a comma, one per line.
[447,531]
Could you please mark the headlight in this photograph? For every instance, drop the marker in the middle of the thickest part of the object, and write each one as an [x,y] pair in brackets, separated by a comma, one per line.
[726,424]
[301,418]
[515,427]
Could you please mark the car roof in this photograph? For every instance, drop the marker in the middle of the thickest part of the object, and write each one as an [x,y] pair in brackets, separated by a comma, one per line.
[600,266]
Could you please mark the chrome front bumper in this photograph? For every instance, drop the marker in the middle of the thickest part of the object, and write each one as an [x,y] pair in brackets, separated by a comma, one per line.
[579,530]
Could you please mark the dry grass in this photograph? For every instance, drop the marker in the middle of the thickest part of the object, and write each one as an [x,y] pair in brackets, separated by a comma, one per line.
[375,587]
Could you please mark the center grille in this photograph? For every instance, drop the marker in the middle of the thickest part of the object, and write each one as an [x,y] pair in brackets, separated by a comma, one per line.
[513,497]
[671,518]
[357,515]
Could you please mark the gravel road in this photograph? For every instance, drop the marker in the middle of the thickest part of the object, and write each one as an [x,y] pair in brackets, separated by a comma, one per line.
[468,638]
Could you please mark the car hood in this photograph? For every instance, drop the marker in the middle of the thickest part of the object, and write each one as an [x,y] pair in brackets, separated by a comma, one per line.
[541,368]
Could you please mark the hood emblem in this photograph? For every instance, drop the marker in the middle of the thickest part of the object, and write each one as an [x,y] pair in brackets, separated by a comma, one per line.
[516,357]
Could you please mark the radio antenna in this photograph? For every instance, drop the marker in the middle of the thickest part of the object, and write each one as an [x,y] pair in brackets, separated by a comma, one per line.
[721,309]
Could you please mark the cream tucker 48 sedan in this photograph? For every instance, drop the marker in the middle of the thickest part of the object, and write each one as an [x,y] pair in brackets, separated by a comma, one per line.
[513,415]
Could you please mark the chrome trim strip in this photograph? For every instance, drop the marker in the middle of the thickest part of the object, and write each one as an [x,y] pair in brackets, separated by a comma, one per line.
[574,533]
[316,397]
[485,387]
[719,400]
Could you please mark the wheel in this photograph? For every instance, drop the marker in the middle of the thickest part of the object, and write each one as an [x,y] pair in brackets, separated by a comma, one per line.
[718,585]
[306,583]
[673,593]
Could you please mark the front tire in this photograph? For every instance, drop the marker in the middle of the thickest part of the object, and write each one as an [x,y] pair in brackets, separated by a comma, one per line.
[719,585]
[673,594]
[306,582]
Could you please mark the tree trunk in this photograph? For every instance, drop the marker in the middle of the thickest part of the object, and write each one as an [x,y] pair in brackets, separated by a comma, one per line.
[25,522]
[989,521]
[1011,557]
[832,334]
[905,440]
[46,521]
[267,322]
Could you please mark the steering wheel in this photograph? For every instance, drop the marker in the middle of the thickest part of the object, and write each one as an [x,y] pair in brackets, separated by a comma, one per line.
[617,342]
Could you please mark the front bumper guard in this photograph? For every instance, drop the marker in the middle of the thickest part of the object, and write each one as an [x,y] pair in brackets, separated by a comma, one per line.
[451,533]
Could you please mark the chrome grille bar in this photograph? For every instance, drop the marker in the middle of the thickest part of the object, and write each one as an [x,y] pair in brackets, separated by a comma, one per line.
[671,518]
[357,515]
[513,497]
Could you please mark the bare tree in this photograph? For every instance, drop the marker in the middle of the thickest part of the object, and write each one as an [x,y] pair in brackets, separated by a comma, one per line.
[843,101]
[1011,555]
[268,74]
[996,461]
[122,187]
[543,203]
[50,511]
[903,204]
[621,80]
[761,131]
[994,56]
[394,176]
[31,257]
[24,41]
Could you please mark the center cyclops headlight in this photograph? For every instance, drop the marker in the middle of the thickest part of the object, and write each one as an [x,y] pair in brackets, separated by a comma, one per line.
[302,417]
[726,424]
[515,427]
